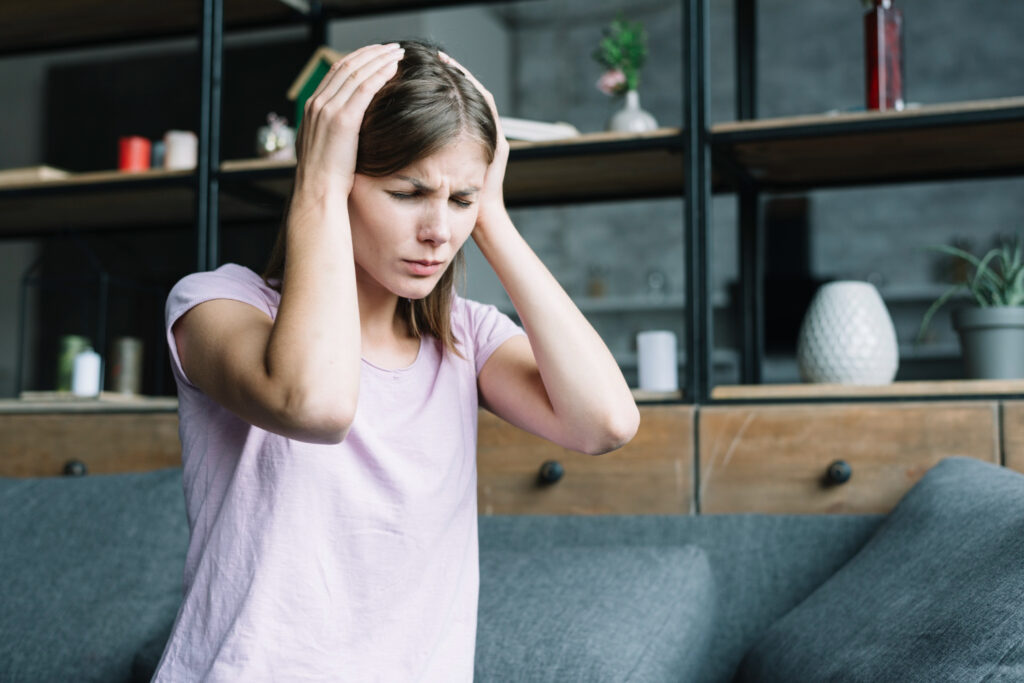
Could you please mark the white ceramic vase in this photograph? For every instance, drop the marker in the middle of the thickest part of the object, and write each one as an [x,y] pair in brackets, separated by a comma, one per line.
[847,337]
[631,118]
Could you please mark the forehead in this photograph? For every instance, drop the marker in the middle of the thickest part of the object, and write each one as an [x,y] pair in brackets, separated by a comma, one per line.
[465,158]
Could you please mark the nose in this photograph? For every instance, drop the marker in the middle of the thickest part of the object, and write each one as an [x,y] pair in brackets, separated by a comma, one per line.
[434,226]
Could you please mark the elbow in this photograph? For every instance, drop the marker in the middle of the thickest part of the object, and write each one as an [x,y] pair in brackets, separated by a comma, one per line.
[616,431]
[324,420]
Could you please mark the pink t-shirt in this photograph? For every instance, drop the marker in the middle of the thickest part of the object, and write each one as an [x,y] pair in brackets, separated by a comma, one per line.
[348,562]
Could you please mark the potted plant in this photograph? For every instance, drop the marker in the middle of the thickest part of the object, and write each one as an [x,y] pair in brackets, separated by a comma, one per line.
[992,332]
[622,52]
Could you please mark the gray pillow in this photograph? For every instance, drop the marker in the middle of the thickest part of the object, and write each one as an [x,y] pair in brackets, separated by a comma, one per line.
[937,594]
[593,614]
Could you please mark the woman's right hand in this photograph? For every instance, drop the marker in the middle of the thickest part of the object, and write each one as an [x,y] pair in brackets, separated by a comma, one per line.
[329,134]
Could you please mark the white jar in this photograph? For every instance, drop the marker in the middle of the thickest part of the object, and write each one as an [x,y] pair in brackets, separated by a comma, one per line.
[657,362]
[847,337]
[85,375]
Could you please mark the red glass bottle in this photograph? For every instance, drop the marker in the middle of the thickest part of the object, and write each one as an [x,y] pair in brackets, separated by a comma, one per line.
[883,51]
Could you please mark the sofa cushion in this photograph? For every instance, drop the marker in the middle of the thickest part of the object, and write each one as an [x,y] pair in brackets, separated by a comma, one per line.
[763,565]
[92,570]
[937,594]
[593,614]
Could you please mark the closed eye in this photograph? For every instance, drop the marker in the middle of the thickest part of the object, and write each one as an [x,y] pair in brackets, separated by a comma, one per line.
[461,203]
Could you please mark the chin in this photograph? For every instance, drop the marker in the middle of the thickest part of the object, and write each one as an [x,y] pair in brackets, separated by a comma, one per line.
[416,290]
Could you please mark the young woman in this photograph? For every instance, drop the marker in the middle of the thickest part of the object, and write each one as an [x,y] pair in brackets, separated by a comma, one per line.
[328,409]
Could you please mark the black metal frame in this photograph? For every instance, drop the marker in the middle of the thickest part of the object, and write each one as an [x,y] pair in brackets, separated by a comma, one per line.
[697,189]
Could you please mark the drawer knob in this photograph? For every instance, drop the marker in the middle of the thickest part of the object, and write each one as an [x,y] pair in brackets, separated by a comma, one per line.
[75,468]
[550,472]
[839,472]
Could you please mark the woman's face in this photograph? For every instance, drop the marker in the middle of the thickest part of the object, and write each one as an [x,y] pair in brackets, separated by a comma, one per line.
[408,227]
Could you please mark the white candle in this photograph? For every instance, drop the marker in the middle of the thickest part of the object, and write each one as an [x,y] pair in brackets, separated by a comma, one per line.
[85,375]
[657,367]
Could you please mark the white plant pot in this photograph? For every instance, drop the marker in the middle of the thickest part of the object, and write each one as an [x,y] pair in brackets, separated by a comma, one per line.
[631,118]
[847,337]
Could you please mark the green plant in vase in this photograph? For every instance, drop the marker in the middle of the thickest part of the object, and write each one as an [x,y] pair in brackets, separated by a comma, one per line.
[622,51]
[992,331]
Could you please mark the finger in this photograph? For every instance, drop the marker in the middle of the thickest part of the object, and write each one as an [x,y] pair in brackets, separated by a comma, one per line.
[365,73]
[340,70]
[359,95]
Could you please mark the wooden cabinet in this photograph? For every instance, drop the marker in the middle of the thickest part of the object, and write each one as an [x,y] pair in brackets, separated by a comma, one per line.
[1012,420]
[775,459]
[653,474]
[39,445]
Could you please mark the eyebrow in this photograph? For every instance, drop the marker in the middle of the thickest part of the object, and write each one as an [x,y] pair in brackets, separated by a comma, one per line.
[422,187]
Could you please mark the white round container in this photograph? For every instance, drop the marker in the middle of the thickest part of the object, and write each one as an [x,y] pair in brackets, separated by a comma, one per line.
[657,365]
[847,337]
[85,375]
[181,150]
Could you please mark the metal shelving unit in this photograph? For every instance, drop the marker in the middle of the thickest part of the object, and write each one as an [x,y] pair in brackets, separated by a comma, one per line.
[749,157]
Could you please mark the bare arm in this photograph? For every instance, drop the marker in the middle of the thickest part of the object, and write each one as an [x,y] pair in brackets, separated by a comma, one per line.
[562,383]
[299,375]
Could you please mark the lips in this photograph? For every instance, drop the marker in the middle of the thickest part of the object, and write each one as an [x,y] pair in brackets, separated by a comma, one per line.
[424,267]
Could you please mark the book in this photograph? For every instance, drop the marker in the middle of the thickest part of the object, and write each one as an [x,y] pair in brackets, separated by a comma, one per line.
[534,131]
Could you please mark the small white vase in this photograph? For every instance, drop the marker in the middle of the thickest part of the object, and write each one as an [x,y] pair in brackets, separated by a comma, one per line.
[847,337]
[631,118]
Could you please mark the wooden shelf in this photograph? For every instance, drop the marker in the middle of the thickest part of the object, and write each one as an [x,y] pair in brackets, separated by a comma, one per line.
[24,26]
[934,142]
[961,140]
[107,402]
[77,23]
[896,389]
[110,199]
[593,166]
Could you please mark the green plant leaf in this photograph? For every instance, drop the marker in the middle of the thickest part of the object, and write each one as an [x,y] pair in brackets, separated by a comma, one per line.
[934,308]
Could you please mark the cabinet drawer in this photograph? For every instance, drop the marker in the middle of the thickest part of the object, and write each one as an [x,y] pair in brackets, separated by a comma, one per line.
[1013,434]
[36,445]
[775,459]
[652,474]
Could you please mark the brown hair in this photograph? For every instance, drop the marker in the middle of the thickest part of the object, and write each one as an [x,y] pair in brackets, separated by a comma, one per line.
[426,106]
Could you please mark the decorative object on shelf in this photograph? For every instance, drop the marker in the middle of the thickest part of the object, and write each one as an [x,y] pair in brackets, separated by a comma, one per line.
[126,365]
[85,376]
[70,346]
[991,333]
[158,154]
[622,52]
[847,337]
[657,364]
[309,78]
[181,150]
[536,131]
[657,284]
[597,286]
[883,56]
[31,174]
[276,140]
[133,153]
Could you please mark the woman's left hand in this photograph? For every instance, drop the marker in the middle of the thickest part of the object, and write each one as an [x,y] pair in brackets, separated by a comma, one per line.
[492,198]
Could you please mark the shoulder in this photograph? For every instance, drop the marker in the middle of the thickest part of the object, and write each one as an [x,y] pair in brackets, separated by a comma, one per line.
[481,328]
[229,281]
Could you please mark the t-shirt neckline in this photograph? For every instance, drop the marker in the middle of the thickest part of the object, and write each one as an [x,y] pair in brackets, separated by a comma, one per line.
[407,368]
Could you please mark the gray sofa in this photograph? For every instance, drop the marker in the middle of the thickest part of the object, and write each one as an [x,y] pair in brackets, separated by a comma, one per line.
[933,591]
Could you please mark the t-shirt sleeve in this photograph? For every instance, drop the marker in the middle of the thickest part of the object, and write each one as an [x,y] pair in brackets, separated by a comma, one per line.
[488,328]
[227,282]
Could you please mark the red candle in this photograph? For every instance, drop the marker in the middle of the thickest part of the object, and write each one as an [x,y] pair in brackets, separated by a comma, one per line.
[134,153]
